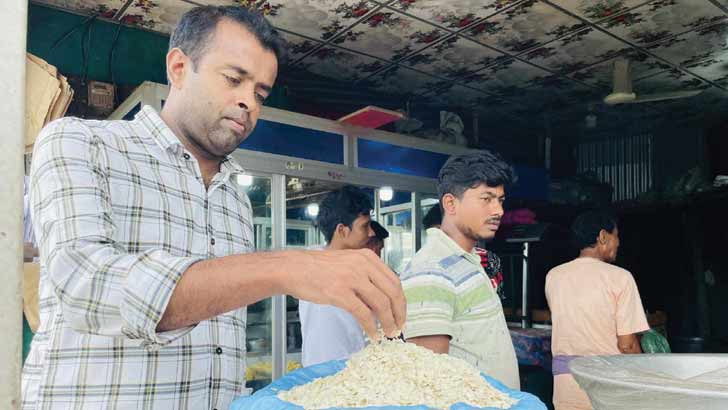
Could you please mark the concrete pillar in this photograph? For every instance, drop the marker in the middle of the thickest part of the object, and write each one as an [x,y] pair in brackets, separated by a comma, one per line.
[14,21]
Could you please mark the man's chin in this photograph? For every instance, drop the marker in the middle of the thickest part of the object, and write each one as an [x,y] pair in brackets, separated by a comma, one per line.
[486,236]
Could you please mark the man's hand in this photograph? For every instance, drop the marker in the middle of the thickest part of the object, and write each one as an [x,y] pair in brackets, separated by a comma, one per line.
[354,280]
[629,344]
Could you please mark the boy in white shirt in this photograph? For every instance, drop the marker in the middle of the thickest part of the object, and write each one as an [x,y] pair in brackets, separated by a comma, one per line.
[330,333]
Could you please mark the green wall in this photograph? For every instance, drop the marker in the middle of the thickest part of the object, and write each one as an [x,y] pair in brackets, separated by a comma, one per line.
[138,54]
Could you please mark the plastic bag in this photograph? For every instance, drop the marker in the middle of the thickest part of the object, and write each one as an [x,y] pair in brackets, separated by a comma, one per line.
[653,342]
[654,381]
[265,399]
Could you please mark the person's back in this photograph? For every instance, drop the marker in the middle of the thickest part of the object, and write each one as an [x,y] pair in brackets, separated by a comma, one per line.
[595,306]
[591,302]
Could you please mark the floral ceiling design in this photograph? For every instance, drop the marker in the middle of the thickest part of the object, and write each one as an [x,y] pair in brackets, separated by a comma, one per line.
[505,59]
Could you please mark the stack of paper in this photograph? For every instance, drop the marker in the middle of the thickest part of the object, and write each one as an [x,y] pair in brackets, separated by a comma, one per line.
[47,94]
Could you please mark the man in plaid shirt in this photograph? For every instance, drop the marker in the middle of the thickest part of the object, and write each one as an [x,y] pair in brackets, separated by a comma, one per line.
[146,242]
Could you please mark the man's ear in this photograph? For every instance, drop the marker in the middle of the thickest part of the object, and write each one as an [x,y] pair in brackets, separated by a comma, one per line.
[178,65]
[342,230]
[602,239]
[448,203]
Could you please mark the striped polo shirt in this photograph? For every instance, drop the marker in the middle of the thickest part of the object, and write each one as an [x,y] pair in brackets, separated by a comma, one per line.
[448,293]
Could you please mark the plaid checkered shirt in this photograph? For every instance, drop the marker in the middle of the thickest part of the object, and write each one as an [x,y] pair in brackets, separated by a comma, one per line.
[120,211]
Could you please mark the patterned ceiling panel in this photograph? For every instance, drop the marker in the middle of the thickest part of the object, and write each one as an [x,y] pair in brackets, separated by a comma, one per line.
[454,57]
[106,9]
[596,10]
[459,53]
[694,46]
[158,15]
[451,14]
[402,80]
[524,26]
[663,18]
[338,63]
[459,96]
[668,81]
[556,93]
[576,51]
[320,19]
[298,46]
[713,69]
[505,78]
[391,35]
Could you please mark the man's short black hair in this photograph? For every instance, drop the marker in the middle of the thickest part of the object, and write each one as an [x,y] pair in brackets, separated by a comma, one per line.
[342,206]
[379,231]
[433,217]
[196,28]
[466,171]
[587,225]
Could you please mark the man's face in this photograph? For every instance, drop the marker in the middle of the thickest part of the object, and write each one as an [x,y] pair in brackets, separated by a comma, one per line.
[358,235]
[478,213]
[611,245]
[226,89]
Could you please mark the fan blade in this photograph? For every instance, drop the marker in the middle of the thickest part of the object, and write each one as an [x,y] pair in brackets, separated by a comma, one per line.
[619,98]
[664,96]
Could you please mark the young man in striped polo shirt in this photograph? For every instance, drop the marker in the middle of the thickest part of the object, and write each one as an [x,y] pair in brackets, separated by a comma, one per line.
[451,306]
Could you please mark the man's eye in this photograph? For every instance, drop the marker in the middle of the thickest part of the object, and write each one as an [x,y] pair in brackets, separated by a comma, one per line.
[232,80]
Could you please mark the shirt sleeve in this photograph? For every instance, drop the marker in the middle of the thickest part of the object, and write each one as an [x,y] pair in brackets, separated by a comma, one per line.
[28,236]
[630,313]
[431,302]
[101,287]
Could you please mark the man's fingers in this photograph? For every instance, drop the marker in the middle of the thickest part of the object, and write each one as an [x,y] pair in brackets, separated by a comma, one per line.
[392,290]
[379,304]
[362,314]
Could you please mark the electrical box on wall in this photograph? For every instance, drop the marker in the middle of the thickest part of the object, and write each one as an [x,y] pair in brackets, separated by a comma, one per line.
[101,96]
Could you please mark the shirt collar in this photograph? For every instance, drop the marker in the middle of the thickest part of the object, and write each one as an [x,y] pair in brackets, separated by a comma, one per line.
[441,239]
[148,118]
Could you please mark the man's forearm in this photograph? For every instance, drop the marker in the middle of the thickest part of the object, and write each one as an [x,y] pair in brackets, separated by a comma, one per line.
[212,287]
[629,344]
[354,280]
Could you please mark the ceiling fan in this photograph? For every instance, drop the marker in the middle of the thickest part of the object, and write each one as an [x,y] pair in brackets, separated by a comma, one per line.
[622,88]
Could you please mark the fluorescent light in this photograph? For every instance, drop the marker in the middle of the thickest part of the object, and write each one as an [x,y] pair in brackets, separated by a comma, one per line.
[386,193]
[312,210]
[245,179]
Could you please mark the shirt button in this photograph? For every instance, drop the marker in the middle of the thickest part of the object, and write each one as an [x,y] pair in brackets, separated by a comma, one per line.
[186,155]
[212,241]
[218,350]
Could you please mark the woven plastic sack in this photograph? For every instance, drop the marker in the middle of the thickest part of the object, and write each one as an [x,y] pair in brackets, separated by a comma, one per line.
[654,381]
[265,399]
[653,342]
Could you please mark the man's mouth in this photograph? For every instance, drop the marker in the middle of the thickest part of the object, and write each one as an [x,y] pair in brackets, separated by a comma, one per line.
[493,224]
[237,125]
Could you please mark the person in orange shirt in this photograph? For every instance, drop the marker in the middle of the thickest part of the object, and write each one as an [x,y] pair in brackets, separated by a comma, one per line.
[595,306]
